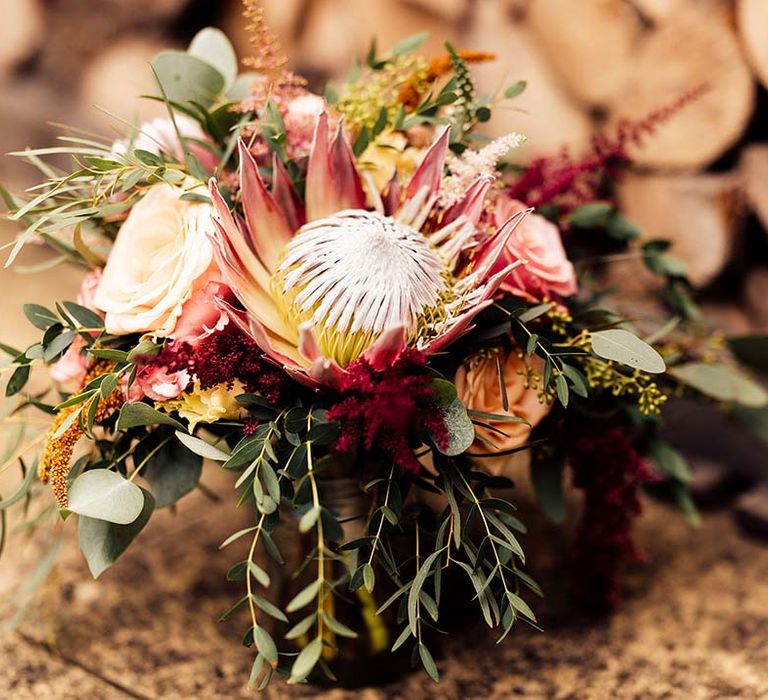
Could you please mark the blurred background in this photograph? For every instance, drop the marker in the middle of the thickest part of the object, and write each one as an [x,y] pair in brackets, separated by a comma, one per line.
[695,621]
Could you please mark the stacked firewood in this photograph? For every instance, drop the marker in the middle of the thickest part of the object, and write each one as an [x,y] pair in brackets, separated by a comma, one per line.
[700,178]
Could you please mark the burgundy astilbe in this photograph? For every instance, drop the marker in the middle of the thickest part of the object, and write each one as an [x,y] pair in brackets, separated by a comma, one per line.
[610,472]
[222,358]
[387,411]
[570,183]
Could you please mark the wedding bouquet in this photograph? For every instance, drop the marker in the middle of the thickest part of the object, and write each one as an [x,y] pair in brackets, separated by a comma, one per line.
[349,302]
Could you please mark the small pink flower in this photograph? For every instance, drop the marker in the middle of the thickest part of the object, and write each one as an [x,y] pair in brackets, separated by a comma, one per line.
[548,272]
[158,384]
[200,315]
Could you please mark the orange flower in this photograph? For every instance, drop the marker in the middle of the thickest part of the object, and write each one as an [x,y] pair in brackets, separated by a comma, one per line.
[478,386]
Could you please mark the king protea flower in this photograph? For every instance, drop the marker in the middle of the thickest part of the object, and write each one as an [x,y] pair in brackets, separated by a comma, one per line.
[338,278]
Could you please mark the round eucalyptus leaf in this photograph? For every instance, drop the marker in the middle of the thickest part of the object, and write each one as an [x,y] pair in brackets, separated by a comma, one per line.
[186,78]
[102,542]
[105,495]
[461,431]
[212,46]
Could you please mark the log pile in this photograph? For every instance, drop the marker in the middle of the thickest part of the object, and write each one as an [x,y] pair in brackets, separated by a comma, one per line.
[700,178]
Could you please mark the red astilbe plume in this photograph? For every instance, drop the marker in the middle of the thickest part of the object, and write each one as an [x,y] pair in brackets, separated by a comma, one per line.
[570,183]
[221,358]
[610,472]
[388,411]
[231,355]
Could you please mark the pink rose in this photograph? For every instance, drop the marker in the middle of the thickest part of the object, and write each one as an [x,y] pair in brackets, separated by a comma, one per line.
[547,272]
[70,369]
[158,384]
[200,316]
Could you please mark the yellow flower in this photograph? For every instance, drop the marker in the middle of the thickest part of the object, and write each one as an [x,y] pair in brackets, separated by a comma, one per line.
[207,405]
[389,153]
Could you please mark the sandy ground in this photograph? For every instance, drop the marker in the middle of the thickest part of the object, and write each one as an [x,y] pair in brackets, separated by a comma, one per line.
[693,625]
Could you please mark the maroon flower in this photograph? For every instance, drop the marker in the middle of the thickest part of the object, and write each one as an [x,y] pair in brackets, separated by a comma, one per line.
[388,411]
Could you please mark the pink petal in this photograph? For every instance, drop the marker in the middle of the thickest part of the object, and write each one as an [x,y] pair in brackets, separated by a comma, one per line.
[387,348]
[285,195]
[492,249]
[349,187]
[472,204]
[430,170]
[462,323]
[308,347]
[320,197]
[268,228]
[391,197]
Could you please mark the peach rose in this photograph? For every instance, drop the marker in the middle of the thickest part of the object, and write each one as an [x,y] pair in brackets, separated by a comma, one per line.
[477,383]
[161,251]
[547,272]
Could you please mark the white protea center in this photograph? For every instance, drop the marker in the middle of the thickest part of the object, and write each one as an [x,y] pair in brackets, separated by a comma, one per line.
[355,274]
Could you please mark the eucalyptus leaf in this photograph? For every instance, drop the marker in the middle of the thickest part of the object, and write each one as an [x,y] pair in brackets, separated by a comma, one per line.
[722,383]
[105,495]
[202,448]
[626,348]
[136,414]
[187,78]
[306,660]
[171,469]
[102,542]
[461,431]
[212,46]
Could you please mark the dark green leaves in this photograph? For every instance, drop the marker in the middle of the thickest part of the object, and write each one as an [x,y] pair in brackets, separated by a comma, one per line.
[168,466]
[39,316]
[752,350]
[102,542]
[18,380]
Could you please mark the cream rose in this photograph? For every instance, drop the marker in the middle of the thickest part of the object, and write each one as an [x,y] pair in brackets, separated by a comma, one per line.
[477,383]
[161,251]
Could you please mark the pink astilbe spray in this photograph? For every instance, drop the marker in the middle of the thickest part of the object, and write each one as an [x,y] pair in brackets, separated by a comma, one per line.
[570,183]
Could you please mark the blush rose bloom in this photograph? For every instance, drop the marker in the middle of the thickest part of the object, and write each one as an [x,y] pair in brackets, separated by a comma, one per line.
[477,383]
[200,315]
[70,370]
[547,273]
[161,251]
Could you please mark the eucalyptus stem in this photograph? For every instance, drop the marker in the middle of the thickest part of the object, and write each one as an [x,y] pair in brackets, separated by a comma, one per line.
[377,539]
[320,535]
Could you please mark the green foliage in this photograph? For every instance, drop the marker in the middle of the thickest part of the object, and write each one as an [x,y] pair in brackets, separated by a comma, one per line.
[622,346]
[105,495]
[103,541]
[721,383]
[170,468]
